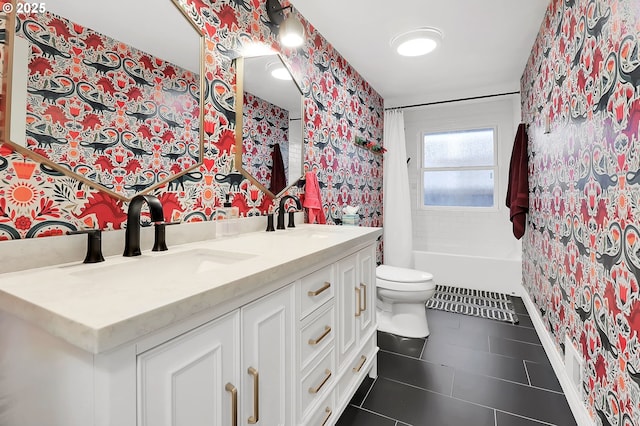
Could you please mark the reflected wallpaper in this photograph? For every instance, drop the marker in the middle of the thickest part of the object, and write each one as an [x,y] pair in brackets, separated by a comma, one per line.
[581,251]
[36,201]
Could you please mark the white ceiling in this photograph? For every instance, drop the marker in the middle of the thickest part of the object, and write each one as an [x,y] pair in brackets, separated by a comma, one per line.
[485,48]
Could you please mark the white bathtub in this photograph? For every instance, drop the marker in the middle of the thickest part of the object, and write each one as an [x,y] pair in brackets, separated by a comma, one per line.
[501,274]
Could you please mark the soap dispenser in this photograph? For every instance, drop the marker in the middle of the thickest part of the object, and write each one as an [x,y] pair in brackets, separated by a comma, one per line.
[230,213]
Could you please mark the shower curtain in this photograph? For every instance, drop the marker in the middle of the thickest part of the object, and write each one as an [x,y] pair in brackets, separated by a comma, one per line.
[398,241]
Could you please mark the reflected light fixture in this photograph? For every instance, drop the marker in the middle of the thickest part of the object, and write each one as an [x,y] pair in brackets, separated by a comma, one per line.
[291,30]
[418,42]
[277,70]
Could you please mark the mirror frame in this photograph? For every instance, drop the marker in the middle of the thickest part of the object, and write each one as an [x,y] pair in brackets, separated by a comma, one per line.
[239,62]
[6,119]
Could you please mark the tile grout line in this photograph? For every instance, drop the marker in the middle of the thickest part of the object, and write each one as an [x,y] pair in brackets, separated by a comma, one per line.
[542,422]
[378,414]
[368,392]
[424,345]
[526,371]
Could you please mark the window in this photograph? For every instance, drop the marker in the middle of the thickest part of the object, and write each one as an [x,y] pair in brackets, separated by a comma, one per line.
[458,168]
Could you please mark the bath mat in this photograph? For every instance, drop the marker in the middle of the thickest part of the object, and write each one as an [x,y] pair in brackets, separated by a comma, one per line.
[478,303]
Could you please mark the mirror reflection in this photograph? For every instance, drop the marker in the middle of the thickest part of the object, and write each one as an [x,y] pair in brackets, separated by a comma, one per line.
[271,146]
[108,92]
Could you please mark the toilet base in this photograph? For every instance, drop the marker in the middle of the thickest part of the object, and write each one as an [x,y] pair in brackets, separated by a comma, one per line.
[406,320]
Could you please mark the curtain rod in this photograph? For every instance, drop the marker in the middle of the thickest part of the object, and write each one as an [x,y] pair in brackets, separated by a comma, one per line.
[453,100]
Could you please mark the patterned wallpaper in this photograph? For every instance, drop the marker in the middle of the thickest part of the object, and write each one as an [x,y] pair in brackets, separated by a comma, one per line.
[36,201]
[581,252]
[264,124]
[105,110]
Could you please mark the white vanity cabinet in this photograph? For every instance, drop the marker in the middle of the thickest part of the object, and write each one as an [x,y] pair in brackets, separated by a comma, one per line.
[282,339]
[206,377]
[356,320]
[192,380]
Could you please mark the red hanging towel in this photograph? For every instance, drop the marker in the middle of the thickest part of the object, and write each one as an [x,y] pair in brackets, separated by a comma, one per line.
[312,200]
[518,188]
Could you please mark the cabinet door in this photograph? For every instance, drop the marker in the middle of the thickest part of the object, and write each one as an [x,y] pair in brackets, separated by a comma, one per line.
[267,366]
[367,284]
[182,382]
[349,299]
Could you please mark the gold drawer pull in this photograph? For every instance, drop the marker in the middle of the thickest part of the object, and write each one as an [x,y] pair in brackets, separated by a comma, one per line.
[357,369]
[256,382]
[327,330]
[326,378]
[358,310]
[326,419]
[234,403]
[326,286]
[364,297]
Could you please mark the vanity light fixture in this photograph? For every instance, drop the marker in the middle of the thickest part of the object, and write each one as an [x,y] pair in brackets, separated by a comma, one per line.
[290,29]
[417,42]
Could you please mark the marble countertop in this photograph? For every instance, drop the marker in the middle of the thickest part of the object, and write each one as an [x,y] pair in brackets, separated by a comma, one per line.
[100,306]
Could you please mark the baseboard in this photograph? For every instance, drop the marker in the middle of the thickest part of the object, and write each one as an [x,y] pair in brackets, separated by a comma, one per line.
[578,409]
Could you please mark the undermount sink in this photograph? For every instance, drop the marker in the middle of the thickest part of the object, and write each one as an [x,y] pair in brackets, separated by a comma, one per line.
[197,260]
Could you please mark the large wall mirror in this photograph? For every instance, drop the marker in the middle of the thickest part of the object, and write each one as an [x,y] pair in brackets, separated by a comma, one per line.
[107,92]
[269,141]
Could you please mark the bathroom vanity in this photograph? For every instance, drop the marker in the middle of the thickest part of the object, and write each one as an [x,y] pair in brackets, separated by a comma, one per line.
[260,328]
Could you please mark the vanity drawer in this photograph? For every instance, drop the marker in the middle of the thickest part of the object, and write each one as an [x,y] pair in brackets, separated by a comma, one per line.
[357,370]
[318,333]
[323,415]
[317,382]
[315,289]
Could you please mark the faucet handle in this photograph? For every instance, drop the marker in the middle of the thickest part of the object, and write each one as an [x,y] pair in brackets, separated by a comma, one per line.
[94,245]
[160,240]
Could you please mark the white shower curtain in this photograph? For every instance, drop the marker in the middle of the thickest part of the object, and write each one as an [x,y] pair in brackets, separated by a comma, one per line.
[398,242]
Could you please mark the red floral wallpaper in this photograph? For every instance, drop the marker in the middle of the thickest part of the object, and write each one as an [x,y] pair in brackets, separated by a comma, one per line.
[36,201]
[264,124]
[581,252]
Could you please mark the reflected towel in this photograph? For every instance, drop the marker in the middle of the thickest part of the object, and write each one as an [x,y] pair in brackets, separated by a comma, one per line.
[518,189]
[278,178]
[312,201]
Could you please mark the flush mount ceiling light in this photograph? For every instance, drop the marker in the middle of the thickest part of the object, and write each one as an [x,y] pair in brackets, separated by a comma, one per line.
[417,42]
[291,30]
[277,70]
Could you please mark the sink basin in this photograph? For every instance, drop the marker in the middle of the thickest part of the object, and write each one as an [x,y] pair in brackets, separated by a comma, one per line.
[193,261]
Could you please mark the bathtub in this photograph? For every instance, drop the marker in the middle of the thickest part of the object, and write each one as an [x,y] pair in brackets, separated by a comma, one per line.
[502,274]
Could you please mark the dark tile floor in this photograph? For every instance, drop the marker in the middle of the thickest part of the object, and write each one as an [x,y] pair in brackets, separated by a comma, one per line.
[469,371]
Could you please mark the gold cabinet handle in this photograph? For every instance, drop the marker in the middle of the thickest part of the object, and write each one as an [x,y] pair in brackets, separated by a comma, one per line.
[357,369]
[327,376]
[326,286]
[327,330]
[256,383]
[358,311]
[364,297]
[326,419]
[234,403]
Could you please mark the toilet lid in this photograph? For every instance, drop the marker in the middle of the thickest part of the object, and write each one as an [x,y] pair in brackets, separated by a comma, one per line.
[404,275]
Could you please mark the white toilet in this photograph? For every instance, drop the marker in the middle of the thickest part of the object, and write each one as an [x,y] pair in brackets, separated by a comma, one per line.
[402,295]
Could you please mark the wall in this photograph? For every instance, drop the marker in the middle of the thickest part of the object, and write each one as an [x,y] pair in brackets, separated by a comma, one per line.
[484,232]
[580,251]
[338,103]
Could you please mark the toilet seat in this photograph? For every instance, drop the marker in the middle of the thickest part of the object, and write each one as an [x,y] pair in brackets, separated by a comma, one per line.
[403,279]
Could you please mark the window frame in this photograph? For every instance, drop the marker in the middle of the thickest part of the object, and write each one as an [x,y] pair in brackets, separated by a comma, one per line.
[494,168]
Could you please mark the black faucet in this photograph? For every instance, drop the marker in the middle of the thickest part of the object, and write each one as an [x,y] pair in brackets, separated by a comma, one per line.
[94,245]
[132,234]
[281,210]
